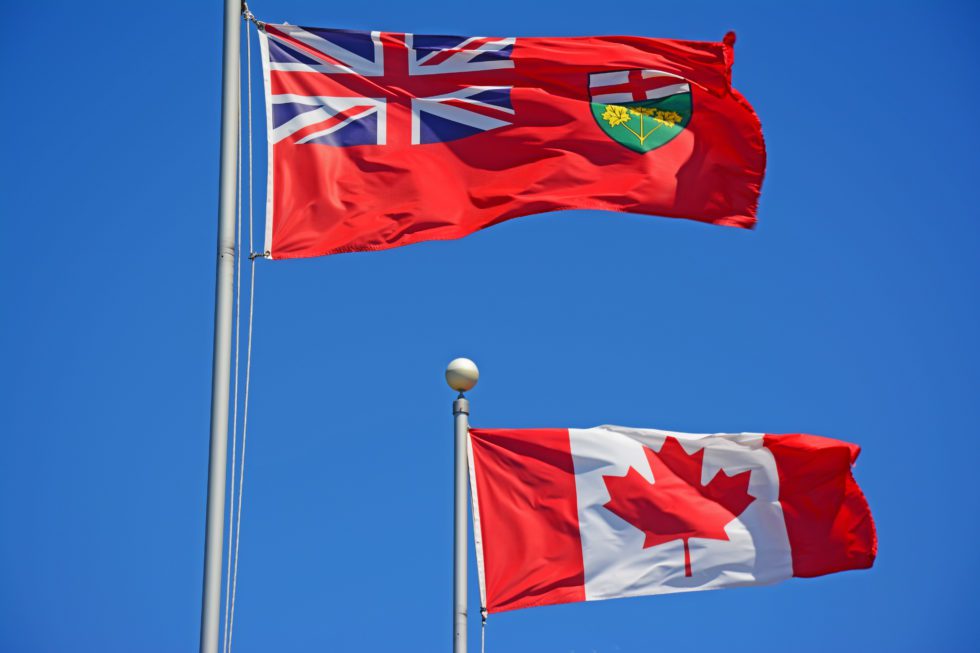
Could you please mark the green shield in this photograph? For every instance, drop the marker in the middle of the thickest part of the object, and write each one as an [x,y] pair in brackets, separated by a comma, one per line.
[644,126]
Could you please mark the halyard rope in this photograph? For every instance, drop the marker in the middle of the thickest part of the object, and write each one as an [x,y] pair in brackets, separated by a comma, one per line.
[241,477]
[233,560]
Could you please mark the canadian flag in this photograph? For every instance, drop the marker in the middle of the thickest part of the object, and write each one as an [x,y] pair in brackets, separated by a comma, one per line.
[565,515]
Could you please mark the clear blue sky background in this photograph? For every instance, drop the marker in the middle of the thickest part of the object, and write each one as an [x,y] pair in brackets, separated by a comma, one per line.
[852,311]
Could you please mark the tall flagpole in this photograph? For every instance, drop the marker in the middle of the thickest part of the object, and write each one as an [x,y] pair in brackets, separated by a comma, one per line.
[221,363]
[461,375]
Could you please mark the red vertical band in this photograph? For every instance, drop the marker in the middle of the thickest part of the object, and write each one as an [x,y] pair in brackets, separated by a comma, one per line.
[532,552]
[827,517]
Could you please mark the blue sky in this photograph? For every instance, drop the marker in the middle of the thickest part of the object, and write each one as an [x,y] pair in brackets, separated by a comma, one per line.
[852,312]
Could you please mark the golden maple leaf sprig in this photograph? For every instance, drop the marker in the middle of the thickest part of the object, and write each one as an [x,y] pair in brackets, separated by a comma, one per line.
[617,115]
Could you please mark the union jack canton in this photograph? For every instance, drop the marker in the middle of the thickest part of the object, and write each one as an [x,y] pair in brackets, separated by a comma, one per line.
[344,88]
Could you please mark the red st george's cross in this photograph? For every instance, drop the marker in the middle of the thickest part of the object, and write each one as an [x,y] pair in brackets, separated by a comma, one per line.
[621,86]
[423,90]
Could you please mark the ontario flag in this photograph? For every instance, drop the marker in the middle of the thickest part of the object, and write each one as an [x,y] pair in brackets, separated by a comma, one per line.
[565,515]
[381,139]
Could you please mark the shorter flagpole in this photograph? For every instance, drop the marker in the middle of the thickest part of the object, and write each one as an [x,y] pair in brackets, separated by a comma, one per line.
[461,375]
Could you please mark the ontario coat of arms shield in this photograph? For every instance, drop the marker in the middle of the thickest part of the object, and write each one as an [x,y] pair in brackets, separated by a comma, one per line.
[641,109]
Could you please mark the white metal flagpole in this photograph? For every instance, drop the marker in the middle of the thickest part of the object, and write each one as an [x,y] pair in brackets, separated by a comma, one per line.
[461,375]
[221,362]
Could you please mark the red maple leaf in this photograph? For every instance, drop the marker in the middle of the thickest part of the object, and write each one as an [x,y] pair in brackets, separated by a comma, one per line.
[677,506]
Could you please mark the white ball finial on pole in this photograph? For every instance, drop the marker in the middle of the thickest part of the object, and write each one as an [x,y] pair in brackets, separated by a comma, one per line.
[462,374]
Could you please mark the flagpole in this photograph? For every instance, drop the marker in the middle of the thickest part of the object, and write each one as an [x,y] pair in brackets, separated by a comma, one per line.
[221,362]
[461,375]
